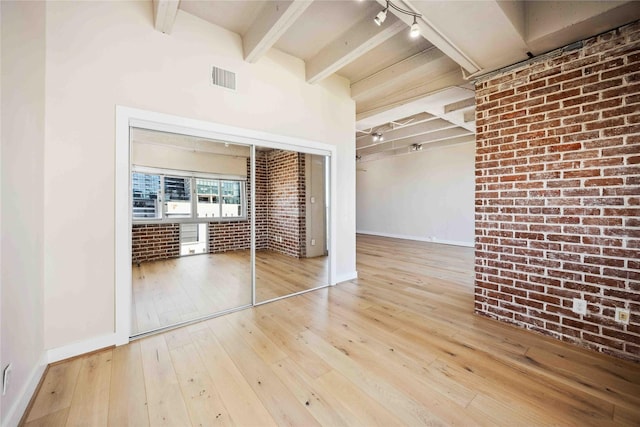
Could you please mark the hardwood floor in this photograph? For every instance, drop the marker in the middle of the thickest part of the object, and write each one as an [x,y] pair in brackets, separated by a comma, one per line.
[398,346]
[176,290]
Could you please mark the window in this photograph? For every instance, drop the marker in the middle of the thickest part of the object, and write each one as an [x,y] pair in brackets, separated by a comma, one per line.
[177,197]
[208,198]
[146,196]
[169,197]
[231,203]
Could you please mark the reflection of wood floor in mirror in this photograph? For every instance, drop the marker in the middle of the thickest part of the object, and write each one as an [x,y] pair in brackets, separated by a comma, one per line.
[180,289]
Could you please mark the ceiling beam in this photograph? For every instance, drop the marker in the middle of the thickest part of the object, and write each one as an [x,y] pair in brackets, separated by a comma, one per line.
[399,73]
[460,105]
[164,14]
[424,138]
[274,20]
[405,132]
[469,116]
[405,121]
[377,106]
[433,34]
[406,150]
[357,41]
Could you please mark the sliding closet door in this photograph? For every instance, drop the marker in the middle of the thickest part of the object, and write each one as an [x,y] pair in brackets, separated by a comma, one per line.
[291,233]
[191,233]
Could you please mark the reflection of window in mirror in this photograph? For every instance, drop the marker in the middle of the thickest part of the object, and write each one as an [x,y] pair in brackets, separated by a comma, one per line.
[177,197]
[146,196]
[150,190]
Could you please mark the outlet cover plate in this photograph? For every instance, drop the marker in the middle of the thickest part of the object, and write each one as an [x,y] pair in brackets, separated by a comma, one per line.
[579,306]
[622,315]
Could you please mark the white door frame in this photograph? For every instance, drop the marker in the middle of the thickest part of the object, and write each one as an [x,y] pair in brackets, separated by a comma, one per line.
[127,117]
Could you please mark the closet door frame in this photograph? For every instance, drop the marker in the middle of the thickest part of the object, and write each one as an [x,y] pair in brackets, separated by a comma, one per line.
[130,117]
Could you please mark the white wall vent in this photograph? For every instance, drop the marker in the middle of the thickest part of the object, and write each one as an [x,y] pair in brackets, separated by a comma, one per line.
[223,78]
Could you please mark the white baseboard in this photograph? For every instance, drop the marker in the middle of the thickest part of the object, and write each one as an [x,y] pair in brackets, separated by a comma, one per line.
[418,238]
[15,412]
[81,347]
[346,277]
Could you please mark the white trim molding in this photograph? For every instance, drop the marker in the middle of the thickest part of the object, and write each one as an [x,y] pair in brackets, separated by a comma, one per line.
[346,277]
[15,413]
[81,347]
[417,238]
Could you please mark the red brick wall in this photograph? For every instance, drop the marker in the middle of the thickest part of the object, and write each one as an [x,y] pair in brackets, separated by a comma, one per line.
[558,194]
[232,235]
[286,202]
[229,236]
[280,211]
[262,179]
[151,242]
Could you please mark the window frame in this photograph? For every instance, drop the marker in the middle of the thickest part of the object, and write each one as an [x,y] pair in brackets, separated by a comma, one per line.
[193,177]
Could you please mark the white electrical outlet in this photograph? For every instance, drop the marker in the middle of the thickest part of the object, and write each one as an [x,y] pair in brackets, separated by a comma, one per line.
[579,306]
[622,315]
[313,242]
[5,378]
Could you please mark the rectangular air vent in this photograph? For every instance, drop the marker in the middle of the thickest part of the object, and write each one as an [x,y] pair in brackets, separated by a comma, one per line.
[223,78]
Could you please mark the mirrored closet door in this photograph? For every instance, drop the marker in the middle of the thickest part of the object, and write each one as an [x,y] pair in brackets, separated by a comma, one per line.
[291,244]
[191,234]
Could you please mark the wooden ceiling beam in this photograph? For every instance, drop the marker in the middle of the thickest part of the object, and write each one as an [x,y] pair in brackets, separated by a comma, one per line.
[357,41]
[406,150]
[469,116]
[164,14]
[460,105]
[399,73]
[274,20]
[405,132]
[374,107]
[434,35]
[425,138]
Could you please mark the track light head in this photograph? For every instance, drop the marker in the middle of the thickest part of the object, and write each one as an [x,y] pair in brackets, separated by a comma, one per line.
[380,17]
[377,136]
[415,29]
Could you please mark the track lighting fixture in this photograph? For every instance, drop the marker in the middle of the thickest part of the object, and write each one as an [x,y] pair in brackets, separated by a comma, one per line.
[415,29]
[377,137]
[382,15]
[415,147]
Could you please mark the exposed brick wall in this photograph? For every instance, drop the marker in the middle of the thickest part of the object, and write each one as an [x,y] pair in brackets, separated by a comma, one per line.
[262,179]
[229,236]
[286,202]
[558,194]
[232,235]
[151,242]
[280,211]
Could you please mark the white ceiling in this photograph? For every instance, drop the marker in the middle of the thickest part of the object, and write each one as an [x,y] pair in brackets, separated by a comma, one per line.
[394,77]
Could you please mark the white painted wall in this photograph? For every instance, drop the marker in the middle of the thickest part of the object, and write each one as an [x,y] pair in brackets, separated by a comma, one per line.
[428,195]
[103,54]
[160,156]
[22,174]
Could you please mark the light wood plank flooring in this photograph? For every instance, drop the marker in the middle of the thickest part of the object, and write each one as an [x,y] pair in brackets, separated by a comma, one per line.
[398,346]
[172,291]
